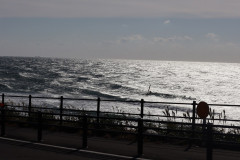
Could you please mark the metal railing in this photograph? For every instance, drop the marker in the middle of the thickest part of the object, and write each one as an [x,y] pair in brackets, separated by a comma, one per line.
[117,123]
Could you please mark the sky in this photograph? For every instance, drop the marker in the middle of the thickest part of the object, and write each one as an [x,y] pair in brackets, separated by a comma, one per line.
[181,30]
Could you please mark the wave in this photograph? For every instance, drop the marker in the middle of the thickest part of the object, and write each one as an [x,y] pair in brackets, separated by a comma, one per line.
[30,79]
[101,95]
[80,79]
[169,96]
[5,87]
[27,75]
[115,86]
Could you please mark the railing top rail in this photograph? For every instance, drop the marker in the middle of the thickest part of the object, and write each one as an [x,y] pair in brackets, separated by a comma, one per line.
[38,97]
[108,100]
[225,105]
[168,103]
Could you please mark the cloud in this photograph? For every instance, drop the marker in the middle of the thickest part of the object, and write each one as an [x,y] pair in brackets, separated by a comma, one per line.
[212,36]
[120,8]
[167,22]
[132,38]
[140,39]
[172,39]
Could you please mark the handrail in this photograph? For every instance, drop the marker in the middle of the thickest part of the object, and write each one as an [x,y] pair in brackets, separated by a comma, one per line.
[109,100]
[138,126]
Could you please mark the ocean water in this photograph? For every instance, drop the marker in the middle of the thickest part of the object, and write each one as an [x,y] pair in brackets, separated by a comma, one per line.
[169,81]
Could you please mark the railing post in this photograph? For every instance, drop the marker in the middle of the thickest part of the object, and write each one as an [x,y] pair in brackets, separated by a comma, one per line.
[204,125]
[3,98]
[2,120]
[204,131]
[98,111]
[85,132]
[39,136]
[142,108]
[30,106]
[140,137]
[193,125]
[193,118]
[61,109]
[2,117]
[209,141]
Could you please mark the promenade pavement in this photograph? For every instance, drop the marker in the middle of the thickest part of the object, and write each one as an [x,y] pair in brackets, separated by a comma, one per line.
[20,144]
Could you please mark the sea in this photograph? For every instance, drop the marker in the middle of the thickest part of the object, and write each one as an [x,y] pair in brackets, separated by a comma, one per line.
[123,80]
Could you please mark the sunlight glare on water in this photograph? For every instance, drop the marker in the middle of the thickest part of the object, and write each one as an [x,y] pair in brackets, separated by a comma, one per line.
[169,81]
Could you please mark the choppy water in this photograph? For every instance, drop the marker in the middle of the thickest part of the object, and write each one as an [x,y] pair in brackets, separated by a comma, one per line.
[122,79]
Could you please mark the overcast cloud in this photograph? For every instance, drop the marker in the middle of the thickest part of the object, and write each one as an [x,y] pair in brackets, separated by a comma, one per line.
[121,8]
[193,30]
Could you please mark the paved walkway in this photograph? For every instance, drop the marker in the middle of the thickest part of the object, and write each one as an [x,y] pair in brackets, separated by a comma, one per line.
[59,145]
